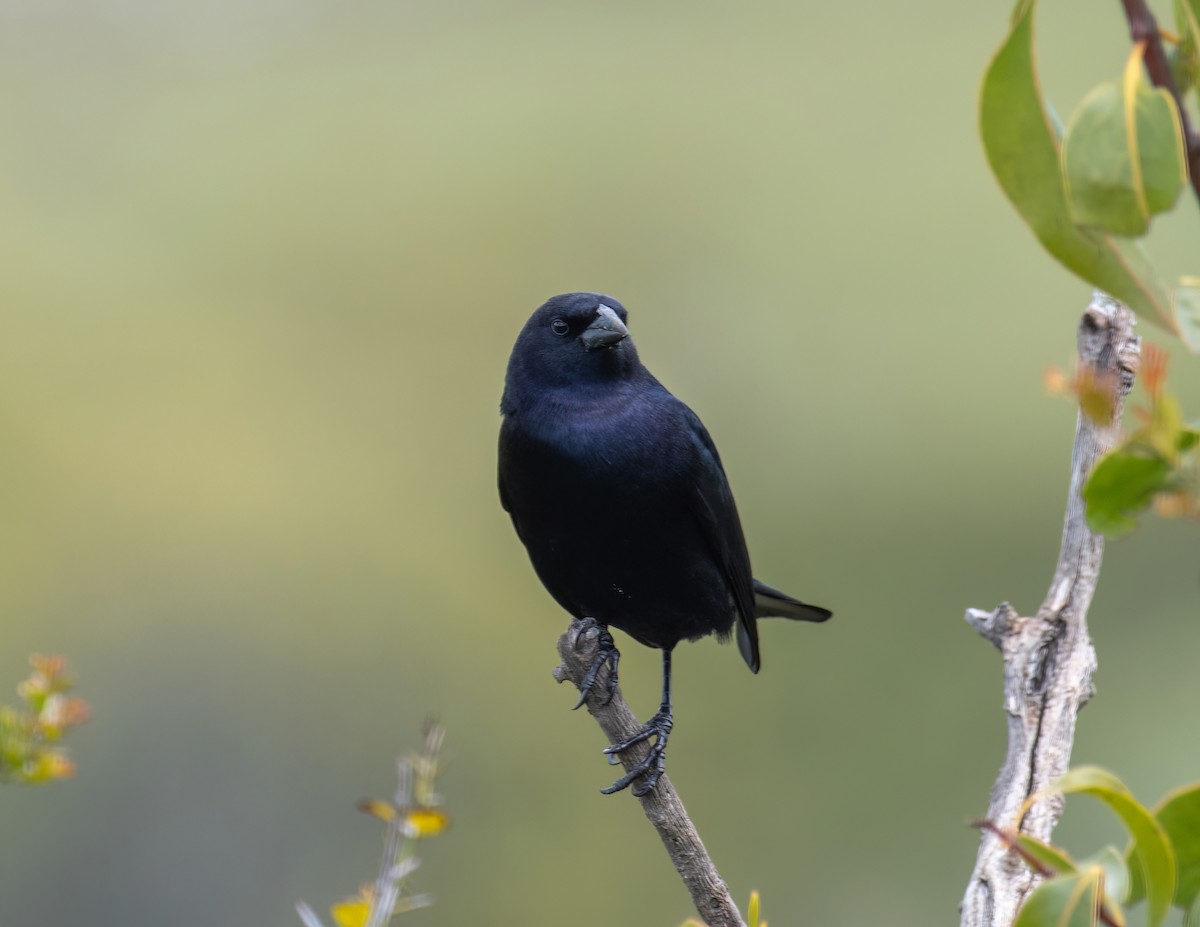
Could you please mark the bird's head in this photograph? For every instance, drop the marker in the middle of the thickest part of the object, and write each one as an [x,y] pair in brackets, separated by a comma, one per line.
[573,340]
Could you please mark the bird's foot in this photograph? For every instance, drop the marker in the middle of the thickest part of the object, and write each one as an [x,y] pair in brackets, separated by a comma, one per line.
[606,653]
[649,770]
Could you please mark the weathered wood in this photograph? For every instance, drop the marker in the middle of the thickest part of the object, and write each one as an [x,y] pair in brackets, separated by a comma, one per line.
[661,805]
[1049,658]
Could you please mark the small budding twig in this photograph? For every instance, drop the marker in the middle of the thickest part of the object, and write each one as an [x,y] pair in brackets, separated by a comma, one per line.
[411,815]
[661,804]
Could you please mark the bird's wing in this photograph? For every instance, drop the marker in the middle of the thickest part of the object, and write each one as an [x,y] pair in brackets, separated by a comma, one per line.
[505,499]
[507,505]
[714,508]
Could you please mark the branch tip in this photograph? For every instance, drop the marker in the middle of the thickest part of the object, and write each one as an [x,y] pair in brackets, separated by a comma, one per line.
[993,626]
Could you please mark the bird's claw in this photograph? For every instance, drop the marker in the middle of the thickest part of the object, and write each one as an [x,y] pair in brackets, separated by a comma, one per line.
[606,653]
[650,769]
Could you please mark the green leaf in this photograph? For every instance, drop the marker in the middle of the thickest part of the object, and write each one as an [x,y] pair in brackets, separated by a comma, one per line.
[1183,58]
[1116,877]
[1192,8]
[752,918]
[1066,901]
[1121,485]
[1123,154]
[1154,861]
[1165,430]
[1048,855]
[1021,139]
[1156,136]
[1097,167]
[1179,815]
[1193,916]
[1186,301]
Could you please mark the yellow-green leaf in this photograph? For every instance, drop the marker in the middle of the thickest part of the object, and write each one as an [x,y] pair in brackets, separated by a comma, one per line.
[1123,156]
[1193,8]
[1179,815]
[1153,859]
[1097,166]
[1116,880]
[1187,16]
[1156,137]
[1182,58]
[351,913]
[1186,301]
[384,811]
[1022,141]
[1120,486]
[1059,861]
[1164,431]
[425,822]
[1071,900]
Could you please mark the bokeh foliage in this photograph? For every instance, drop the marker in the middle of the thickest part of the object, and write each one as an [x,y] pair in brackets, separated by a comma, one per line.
[1161,866]
[31,734]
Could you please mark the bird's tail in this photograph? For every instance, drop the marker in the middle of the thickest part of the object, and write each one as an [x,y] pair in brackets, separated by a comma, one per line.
[771,603]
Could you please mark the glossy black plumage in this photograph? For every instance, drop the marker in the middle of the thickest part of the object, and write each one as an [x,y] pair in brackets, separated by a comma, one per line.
[618,493]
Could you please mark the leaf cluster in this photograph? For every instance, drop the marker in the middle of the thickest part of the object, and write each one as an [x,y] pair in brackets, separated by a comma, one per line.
[1158,463]
[1087,190]
[1161,865]
[31,751]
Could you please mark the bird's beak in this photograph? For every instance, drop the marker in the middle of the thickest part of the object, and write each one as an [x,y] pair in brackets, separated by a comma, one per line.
[606,330]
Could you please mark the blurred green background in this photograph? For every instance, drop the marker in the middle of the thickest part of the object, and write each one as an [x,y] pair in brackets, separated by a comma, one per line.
[262,265]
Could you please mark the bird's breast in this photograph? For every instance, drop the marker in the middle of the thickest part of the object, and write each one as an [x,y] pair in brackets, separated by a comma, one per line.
[623,431]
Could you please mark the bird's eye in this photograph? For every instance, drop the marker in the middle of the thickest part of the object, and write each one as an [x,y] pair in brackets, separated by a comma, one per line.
[559,327]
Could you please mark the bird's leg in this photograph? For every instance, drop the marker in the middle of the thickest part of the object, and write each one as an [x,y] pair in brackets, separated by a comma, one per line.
[606,652]
[659,727]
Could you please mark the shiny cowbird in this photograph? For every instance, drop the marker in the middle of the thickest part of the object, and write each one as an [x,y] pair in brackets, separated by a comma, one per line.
[617,492]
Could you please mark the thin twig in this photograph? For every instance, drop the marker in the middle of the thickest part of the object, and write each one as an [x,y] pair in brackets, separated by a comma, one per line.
[1049,658]
[661,805]
[1144,28]
[415,797]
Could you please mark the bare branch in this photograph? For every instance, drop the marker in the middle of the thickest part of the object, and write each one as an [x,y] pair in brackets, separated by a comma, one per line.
[1049,658]
[661,805]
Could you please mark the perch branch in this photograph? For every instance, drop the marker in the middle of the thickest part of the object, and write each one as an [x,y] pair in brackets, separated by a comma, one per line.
[1049,658]
[661,805]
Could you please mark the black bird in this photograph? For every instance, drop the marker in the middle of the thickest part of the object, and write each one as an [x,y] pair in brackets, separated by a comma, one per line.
[618,494]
